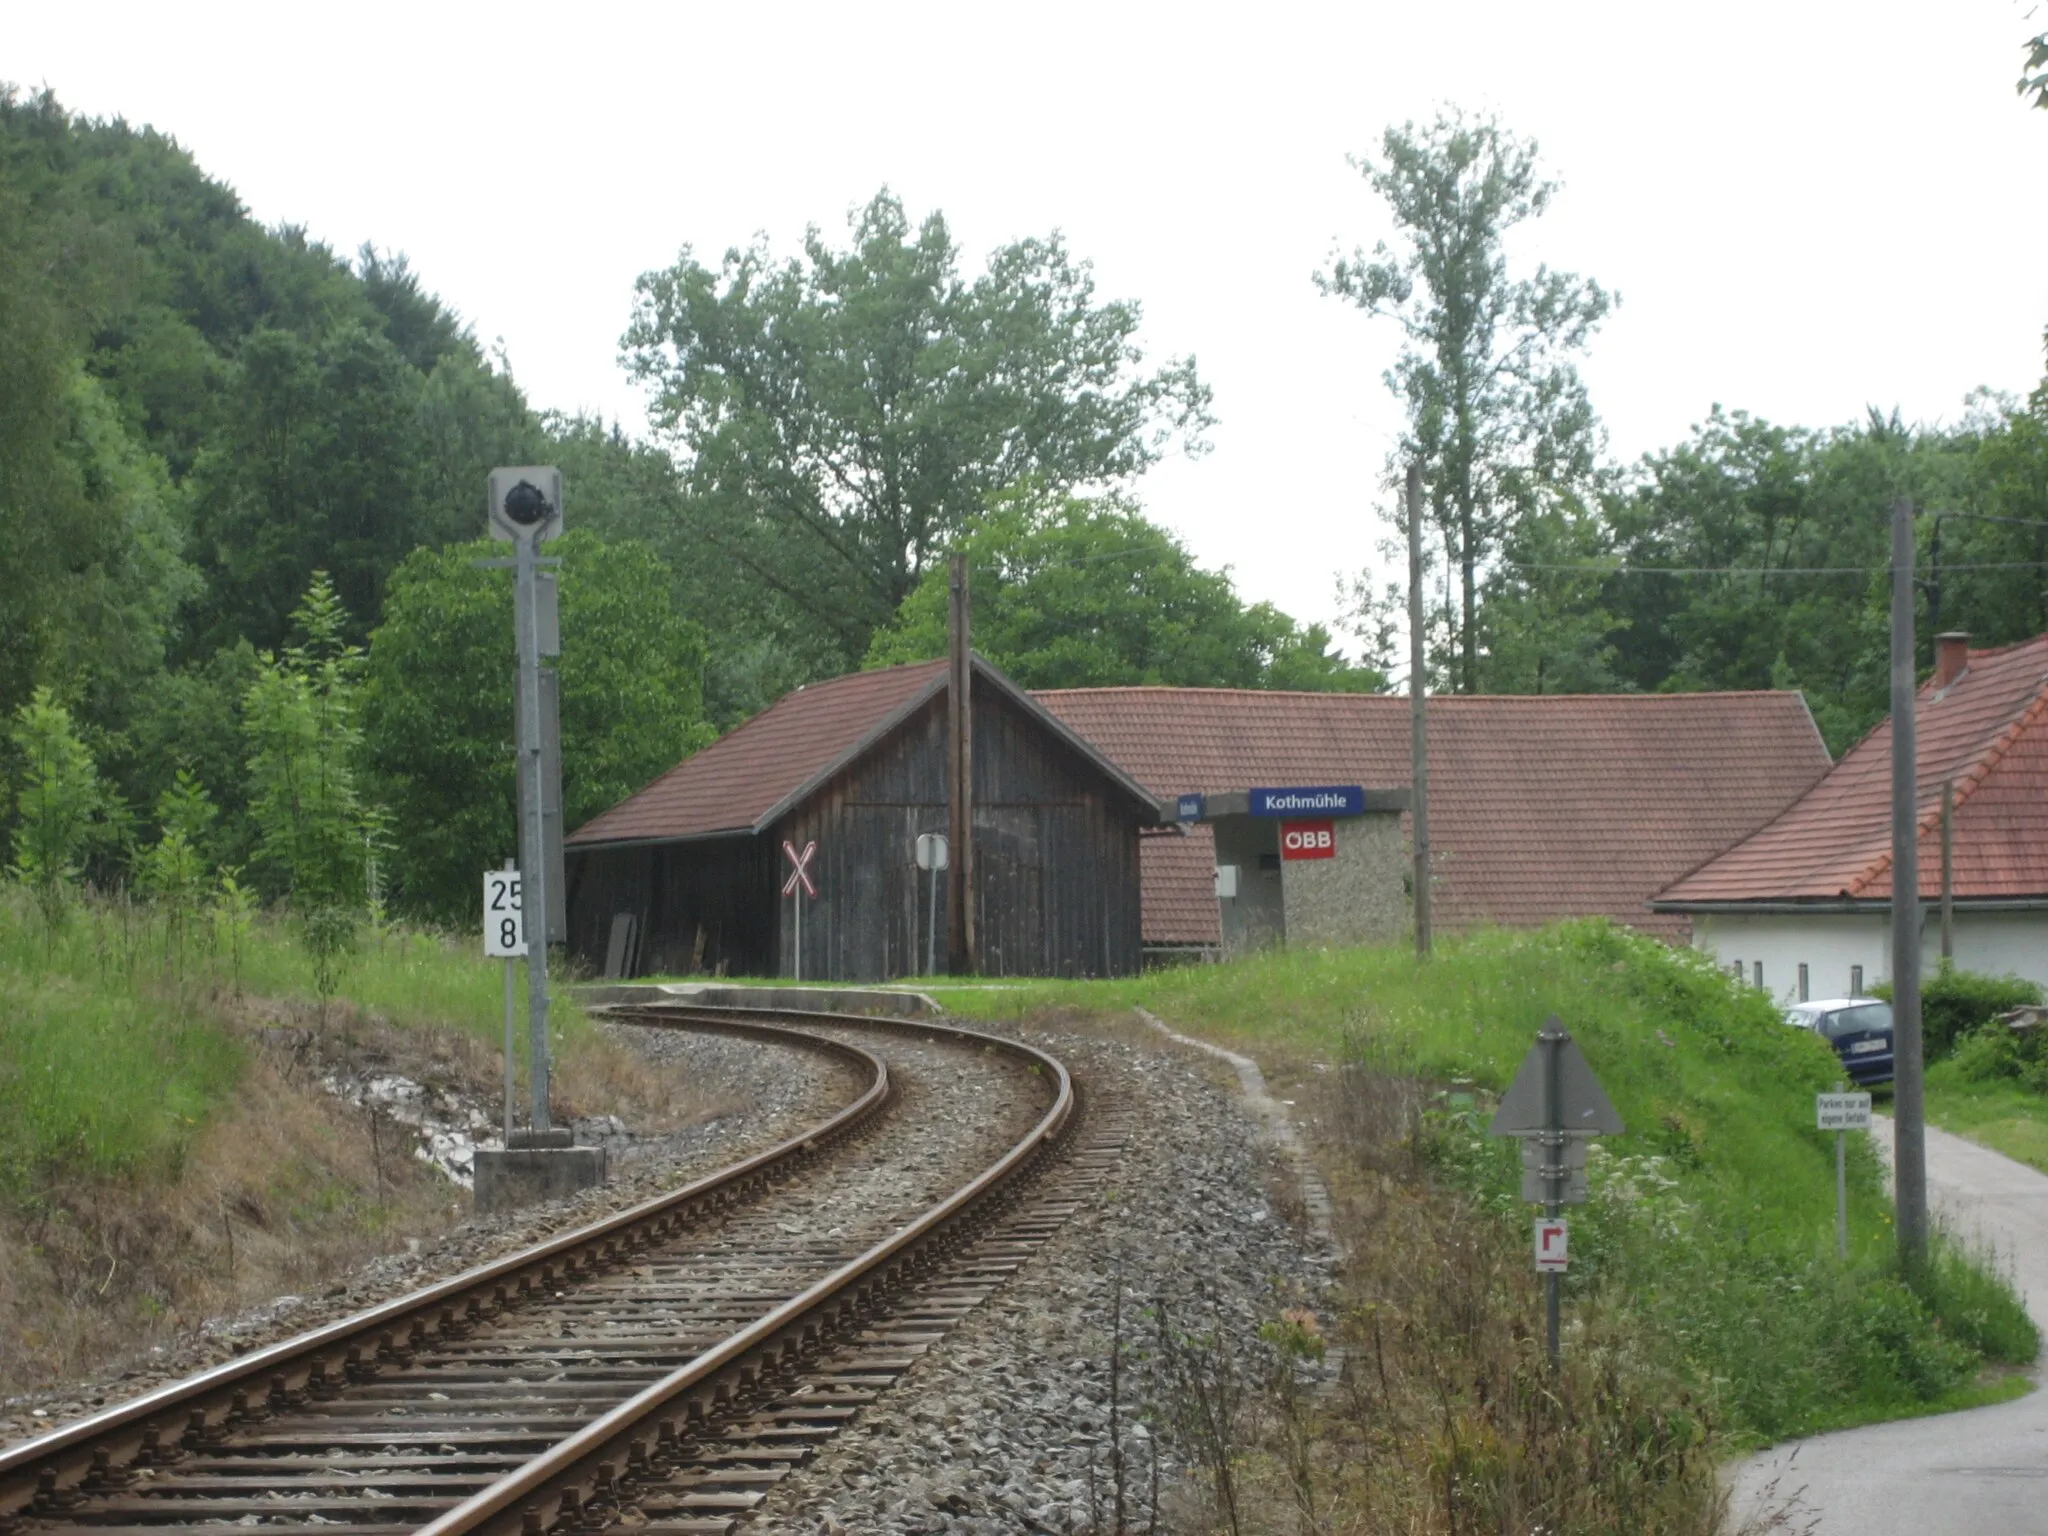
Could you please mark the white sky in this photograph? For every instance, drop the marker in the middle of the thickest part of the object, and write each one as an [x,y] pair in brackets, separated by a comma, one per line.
[1807,206]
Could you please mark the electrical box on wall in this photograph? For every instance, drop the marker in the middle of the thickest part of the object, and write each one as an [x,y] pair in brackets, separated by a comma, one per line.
[1226,882]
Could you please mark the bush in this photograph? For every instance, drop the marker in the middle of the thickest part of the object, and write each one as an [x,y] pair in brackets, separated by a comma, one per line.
[1955,1003]
[1993,1055]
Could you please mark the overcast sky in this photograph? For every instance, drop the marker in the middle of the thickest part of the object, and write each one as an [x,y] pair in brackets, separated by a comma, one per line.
[1806,207]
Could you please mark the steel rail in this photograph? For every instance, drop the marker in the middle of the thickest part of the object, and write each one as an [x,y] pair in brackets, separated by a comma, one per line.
[509,1505]
[70,1447]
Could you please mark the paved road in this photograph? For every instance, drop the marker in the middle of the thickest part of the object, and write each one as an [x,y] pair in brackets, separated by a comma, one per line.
[1981,1473]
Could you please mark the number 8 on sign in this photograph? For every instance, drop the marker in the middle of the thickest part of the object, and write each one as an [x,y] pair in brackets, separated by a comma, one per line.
[504,921]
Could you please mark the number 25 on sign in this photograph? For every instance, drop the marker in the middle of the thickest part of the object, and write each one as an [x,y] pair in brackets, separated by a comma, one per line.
[504,921]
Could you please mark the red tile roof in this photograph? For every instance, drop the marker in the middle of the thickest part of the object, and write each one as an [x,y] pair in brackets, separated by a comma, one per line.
[739,780]
[1541,807]
[1987,731]
[754,773]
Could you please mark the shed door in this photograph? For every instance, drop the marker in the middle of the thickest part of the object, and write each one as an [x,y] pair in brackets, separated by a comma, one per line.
[1010,887]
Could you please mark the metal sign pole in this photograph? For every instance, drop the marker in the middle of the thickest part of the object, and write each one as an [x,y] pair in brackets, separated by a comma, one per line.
[533,881]
[798,898]
[511,1085]
[511,1076]
[1841,1190]
[1553,1038]
[931,938]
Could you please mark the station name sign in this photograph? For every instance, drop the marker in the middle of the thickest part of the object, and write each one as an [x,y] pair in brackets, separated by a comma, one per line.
[1312,800]
[1191,808]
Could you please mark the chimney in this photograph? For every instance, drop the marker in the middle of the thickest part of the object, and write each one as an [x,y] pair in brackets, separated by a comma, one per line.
[1951,655]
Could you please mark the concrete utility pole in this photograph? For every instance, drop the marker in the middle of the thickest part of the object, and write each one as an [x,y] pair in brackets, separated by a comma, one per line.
[1909,1156]
[1418,712]
[960,946]
[1948,870]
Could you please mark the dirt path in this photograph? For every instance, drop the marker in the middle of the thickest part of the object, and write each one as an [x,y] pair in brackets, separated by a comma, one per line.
[1981,1473]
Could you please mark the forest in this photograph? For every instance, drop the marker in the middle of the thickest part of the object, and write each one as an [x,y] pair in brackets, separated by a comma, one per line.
[241,497]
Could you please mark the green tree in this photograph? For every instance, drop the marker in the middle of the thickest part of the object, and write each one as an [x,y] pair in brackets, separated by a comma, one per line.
[438,710]
[622,489]
[1497,413]
[59,798]
[1074,593]
[1757,557]
[174,871]
[316,832]
[1545,626]
[843,416]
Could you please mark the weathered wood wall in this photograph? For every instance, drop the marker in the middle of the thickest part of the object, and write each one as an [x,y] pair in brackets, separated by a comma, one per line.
[706,906]
[1056,849]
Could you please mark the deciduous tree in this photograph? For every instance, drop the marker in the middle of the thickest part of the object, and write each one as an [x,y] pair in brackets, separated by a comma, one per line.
[1497,413]
[1077,593]
[59,798]
[438,714]
[843,415]
[316,830]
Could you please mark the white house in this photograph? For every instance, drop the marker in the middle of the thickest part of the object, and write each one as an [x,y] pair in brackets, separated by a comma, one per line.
[1803,905]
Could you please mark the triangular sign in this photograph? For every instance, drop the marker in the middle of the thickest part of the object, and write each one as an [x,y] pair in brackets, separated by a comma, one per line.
[1587,1110]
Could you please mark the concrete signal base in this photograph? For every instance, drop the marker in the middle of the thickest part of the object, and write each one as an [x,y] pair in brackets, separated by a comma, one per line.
[538,1166]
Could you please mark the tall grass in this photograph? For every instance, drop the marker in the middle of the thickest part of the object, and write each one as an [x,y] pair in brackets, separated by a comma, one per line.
[121,1025]
[1711,1234]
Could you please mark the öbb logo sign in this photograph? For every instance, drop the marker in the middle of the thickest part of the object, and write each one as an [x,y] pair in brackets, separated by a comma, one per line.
[1308,839]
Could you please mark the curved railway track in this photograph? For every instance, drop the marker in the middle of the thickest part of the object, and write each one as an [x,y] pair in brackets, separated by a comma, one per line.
[661,1368]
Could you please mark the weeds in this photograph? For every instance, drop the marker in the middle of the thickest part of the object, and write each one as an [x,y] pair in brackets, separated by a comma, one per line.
[1705,1309]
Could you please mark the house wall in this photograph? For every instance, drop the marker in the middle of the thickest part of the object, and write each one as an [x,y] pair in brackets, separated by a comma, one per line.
[1257,916]
[1828,943]
[1996,943]
[1359,896]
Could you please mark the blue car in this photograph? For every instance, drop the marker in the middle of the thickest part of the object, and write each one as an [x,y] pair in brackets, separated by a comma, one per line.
[1860,1030]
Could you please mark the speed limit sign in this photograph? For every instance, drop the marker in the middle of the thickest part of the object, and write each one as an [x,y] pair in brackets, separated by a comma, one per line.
[504,920]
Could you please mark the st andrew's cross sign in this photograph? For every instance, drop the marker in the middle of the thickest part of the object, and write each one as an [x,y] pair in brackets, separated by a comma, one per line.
[799,884]
[800,868]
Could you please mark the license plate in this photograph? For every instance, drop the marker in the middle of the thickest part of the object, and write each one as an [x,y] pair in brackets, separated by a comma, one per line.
[1865,1047]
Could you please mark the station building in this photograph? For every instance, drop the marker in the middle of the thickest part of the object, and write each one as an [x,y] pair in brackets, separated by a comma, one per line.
[1541,806]
[1119,825]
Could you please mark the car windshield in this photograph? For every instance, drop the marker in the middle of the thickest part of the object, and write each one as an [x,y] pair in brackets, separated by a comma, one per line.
[1864,1017]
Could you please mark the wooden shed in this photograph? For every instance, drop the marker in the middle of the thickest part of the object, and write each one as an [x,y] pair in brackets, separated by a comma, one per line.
[695,863]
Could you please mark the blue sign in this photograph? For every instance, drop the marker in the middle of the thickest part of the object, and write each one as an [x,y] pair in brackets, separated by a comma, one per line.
[1191,808]
[1314,800]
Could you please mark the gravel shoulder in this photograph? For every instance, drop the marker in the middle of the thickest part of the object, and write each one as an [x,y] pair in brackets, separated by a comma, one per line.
[1007,1425]
[1976,1473]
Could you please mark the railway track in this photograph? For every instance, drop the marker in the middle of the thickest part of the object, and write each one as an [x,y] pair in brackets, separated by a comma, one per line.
[661,1369]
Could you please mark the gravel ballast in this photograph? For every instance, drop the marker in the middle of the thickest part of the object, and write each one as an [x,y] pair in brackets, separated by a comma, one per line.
[1005,1425]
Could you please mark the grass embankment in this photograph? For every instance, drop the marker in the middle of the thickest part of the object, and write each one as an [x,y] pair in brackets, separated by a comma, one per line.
[121,1040]
[1999,1113]
[1984,1080]
[166,1150]
[1708,1310]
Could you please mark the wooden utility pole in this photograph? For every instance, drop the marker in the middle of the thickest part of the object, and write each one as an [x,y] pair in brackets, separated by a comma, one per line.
[960,945]
[1909,1158]
[1418,712]
[1948,870]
